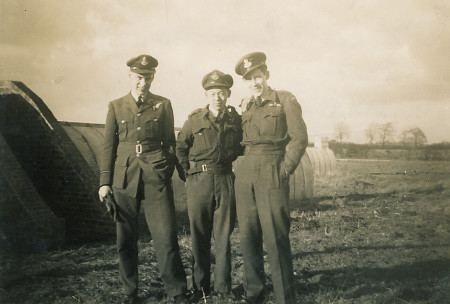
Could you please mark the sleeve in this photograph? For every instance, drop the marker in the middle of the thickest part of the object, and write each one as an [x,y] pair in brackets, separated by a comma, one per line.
[168,143]
[185,141]
[239,147]
[109,147]
[297,132]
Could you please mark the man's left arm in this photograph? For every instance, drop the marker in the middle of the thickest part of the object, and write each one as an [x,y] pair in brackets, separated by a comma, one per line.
[297,132]
[239,149]
[168,142]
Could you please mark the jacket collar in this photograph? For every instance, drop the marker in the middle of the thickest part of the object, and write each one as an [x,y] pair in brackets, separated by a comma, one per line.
[270,95]
[149,102]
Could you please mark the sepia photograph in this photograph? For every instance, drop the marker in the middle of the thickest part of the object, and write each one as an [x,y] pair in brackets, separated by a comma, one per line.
[259,152]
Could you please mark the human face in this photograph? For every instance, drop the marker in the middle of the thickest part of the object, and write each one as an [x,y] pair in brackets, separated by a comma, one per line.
[256,81]
[217,98]
[140,83]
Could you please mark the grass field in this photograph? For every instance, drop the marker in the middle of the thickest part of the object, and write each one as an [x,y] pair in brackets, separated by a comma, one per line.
[376,232]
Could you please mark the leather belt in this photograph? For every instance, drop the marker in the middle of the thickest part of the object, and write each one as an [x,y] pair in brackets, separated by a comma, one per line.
[264,150]
[196,167]
[130,147]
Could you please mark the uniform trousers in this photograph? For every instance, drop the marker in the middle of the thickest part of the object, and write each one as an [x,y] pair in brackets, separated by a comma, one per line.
[211,209]
[262,202]
[159,210]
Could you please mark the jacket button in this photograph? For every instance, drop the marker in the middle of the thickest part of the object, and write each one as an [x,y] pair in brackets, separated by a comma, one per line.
[138,128]
[138,114]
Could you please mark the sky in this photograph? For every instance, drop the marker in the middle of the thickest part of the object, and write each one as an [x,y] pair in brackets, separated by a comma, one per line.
[347,61]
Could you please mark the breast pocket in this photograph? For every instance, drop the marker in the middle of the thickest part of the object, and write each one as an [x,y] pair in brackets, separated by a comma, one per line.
[153,128]
[230,142]
[201,140]
[123,128]
[272,122]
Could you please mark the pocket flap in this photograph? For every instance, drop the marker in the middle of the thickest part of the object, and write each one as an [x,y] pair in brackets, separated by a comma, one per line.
[122,160]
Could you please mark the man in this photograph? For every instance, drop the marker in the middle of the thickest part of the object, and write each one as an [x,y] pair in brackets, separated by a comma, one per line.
[275,138]
[137,162]
[207,145]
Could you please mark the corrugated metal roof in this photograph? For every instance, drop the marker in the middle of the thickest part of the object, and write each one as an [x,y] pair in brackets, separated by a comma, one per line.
[87,138]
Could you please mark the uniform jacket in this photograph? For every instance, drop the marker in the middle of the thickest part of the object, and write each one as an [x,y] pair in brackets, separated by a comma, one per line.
[202,140]
[277,123]
[129,130]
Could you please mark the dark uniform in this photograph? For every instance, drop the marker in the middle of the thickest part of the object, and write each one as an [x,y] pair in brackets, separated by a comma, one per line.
[206,147]
[275,138]
[137,160]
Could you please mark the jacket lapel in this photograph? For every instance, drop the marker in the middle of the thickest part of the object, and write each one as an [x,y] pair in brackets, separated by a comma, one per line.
[131,103]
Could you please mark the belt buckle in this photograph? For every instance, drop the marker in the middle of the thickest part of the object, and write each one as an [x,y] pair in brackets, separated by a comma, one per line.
[204,168]
[138,149]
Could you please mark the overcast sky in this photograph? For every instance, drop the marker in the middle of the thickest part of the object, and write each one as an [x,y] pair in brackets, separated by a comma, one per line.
[356,62]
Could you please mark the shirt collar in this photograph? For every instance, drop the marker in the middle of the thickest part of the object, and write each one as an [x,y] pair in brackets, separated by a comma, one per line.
[207,113]
[213,112]
[269,96]
[136,97]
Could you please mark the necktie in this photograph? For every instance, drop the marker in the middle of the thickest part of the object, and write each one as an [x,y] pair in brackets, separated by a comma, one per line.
[258,101]
[140,101]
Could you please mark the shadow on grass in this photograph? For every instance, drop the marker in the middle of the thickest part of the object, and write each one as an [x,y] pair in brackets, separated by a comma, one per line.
[362,196]
[331,250]
[412,282]
[7,282]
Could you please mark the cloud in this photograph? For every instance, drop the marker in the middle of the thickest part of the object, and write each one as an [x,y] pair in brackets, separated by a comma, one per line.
[337,57]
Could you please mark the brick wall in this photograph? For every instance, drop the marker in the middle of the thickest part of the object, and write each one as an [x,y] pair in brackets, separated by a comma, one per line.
[26,222]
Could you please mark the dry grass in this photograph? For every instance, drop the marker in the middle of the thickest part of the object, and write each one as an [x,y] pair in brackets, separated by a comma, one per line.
[372,234]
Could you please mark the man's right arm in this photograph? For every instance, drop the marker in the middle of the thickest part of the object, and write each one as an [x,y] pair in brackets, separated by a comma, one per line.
[184,143]
[109,149]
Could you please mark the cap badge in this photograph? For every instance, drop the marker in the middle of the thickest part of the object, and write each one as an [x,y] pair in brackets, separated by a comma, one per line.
[214,76]
[144,61]
[247,63]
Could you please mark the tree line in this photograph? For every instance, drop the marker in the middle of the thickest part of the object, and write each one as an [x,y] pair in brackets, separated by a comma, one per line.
[384,133]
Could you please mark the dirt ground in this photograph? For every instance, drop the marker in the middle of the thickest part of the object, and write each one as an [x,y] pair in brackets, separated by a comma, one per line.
[376,232]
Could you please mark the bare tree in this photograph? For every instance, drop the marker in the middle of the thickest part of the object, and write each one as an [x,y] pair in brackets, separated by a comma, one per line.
[341,131]
[403,137]
[414,136]
[386,132]
[371,132]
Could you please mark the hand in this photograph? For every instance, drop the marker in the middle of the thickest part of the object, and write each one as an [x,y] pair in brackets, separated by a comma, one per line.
[180,170]
[111,207]
[182,176]
[284,175]
[103,192]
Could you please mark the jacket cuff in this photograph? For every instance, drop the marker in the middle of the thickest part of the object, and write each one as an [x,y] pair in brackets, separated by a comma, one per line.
[105,178]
